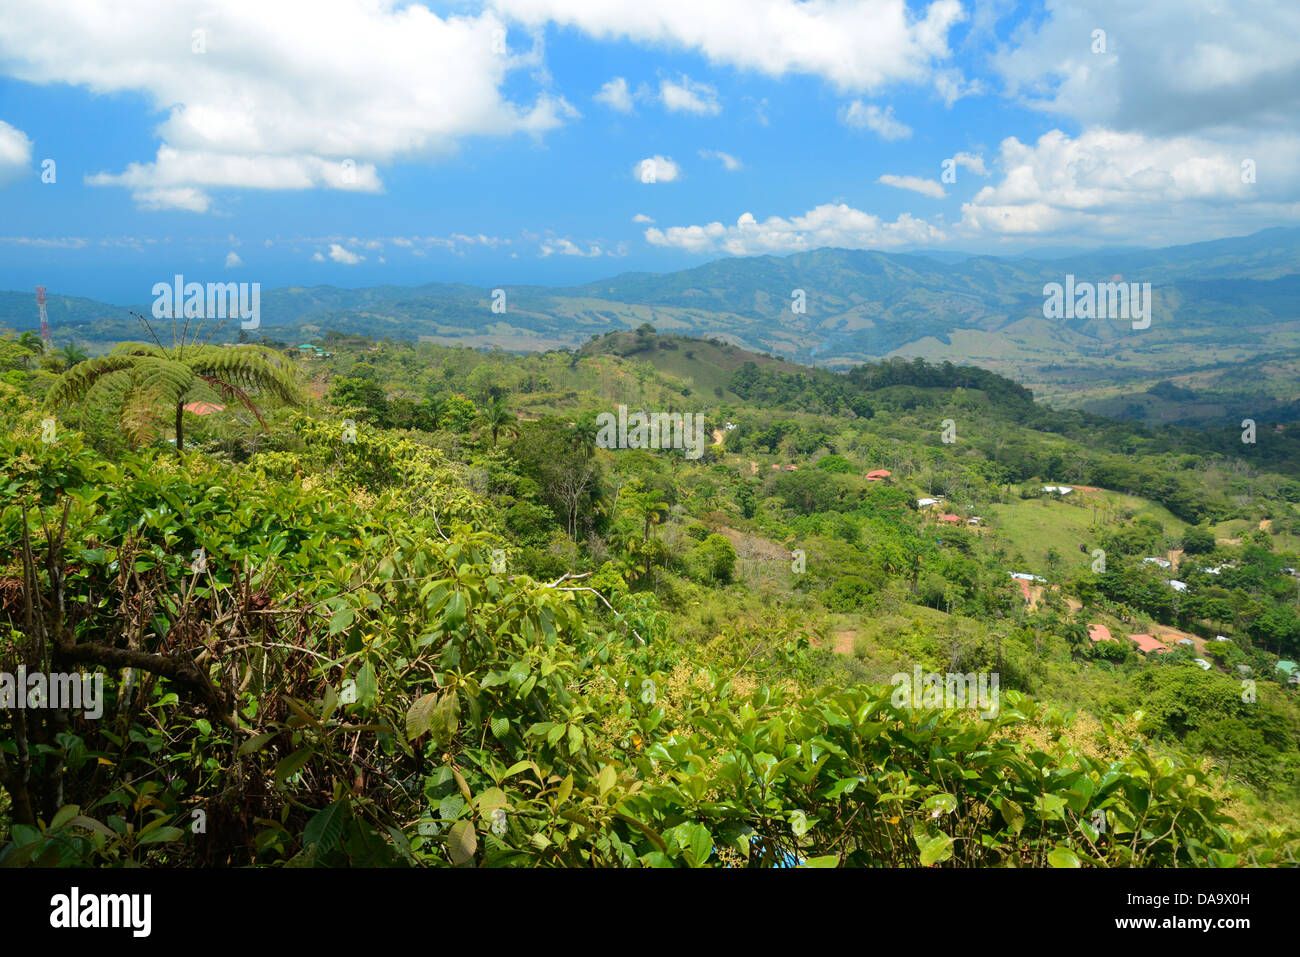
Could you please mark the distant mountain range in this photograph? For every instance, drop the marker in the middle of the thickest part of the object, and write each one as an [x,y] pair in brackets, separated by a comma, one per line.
[1224,331]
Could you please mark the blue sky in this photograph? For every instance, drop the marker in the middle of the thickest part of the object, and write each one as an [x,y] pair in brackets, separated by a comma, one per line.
[788,125]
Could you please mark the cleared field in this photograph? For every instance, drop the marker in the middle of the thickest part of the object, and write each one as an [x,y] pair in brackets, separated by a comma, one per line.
[1033,526]
[1233,530]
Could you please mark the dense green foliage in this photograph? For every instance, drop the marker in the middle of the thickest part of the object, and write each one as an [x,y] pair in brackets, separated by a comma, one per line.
[427,621]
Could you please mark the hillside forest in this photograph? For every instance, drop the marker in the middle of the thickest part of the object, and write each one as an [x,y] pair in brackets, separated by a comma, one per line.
[362,601]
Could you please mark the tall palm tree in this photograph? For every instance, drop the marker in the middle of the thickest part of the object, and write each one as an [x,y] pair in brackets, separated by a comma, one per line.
[435,408]
[498,418]
[33,344]
[155,376]
[71,354]
[647,506]
[585,432]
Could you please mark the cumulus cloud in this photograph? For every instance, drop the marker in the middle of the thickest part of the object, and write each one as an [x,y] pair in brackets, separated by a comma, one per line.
[971,162]
[857,46]
[1111,184]
[615,95]
[1169,66]
[233,260]
[863,116]
[15,152]
[284,93]
[162,183]
[729,162]
[1172,98]
[688,96]
[344,256]
[642,218]
[926,187]
[656,169]
[832,224]
[951,86]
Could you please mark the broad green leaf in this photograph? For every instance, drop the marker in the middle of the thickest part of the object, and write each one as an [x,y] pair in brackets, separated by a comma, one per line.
[367,684]
[1013,814]
[161,834]
[942,803]
[608,776]
[420,715]
[64,815]
[1063,857]
[291,765]
[936,849]
[341,620]
[462,842]
[325,827]
[256,743]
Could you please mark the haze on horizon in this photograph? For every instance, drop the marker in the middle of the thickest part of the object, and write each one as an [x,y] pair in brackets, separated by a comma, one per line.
[354,143]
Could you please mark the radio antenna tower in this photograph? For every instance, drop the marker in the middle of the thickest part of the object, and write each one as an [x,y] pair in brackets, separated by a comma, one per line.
[45,320]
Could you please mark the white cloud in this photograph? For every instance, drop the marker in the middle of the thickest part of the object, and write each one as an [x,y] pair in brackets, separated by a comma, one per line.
[39,242]
[952,86]
[564,247]
[233,260]
[175,197]
[15,152]
[656,169]
[861,116]
[971,162]
[1119,185]
[832,224]
[341,255]
[1169,67]
[689,96]
[317,258]
[173,168]
[642,218]
[615,95]
[857,46]
[729,162]
[926,187]
[285,92]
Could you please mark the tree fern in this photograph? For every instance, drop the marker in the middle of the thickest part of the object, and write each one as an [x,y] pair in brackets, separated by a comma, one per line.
[144,376]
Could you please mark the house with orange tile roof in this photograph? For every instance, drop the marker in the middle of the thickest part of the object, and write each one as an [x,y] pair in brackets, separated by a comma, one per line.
[1148,643]
[875,475]
[1100,633]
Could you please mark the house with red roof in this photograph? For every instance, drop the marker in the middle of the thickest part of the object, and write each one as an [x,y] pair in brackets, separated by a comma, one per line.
[203,408]
[950,519]
[876,475]
[1100,633]
[1148,644]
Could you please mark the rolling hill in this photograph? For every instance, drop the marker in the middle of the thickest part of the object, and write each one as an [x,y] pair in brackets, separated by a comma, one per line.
[1223,333]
